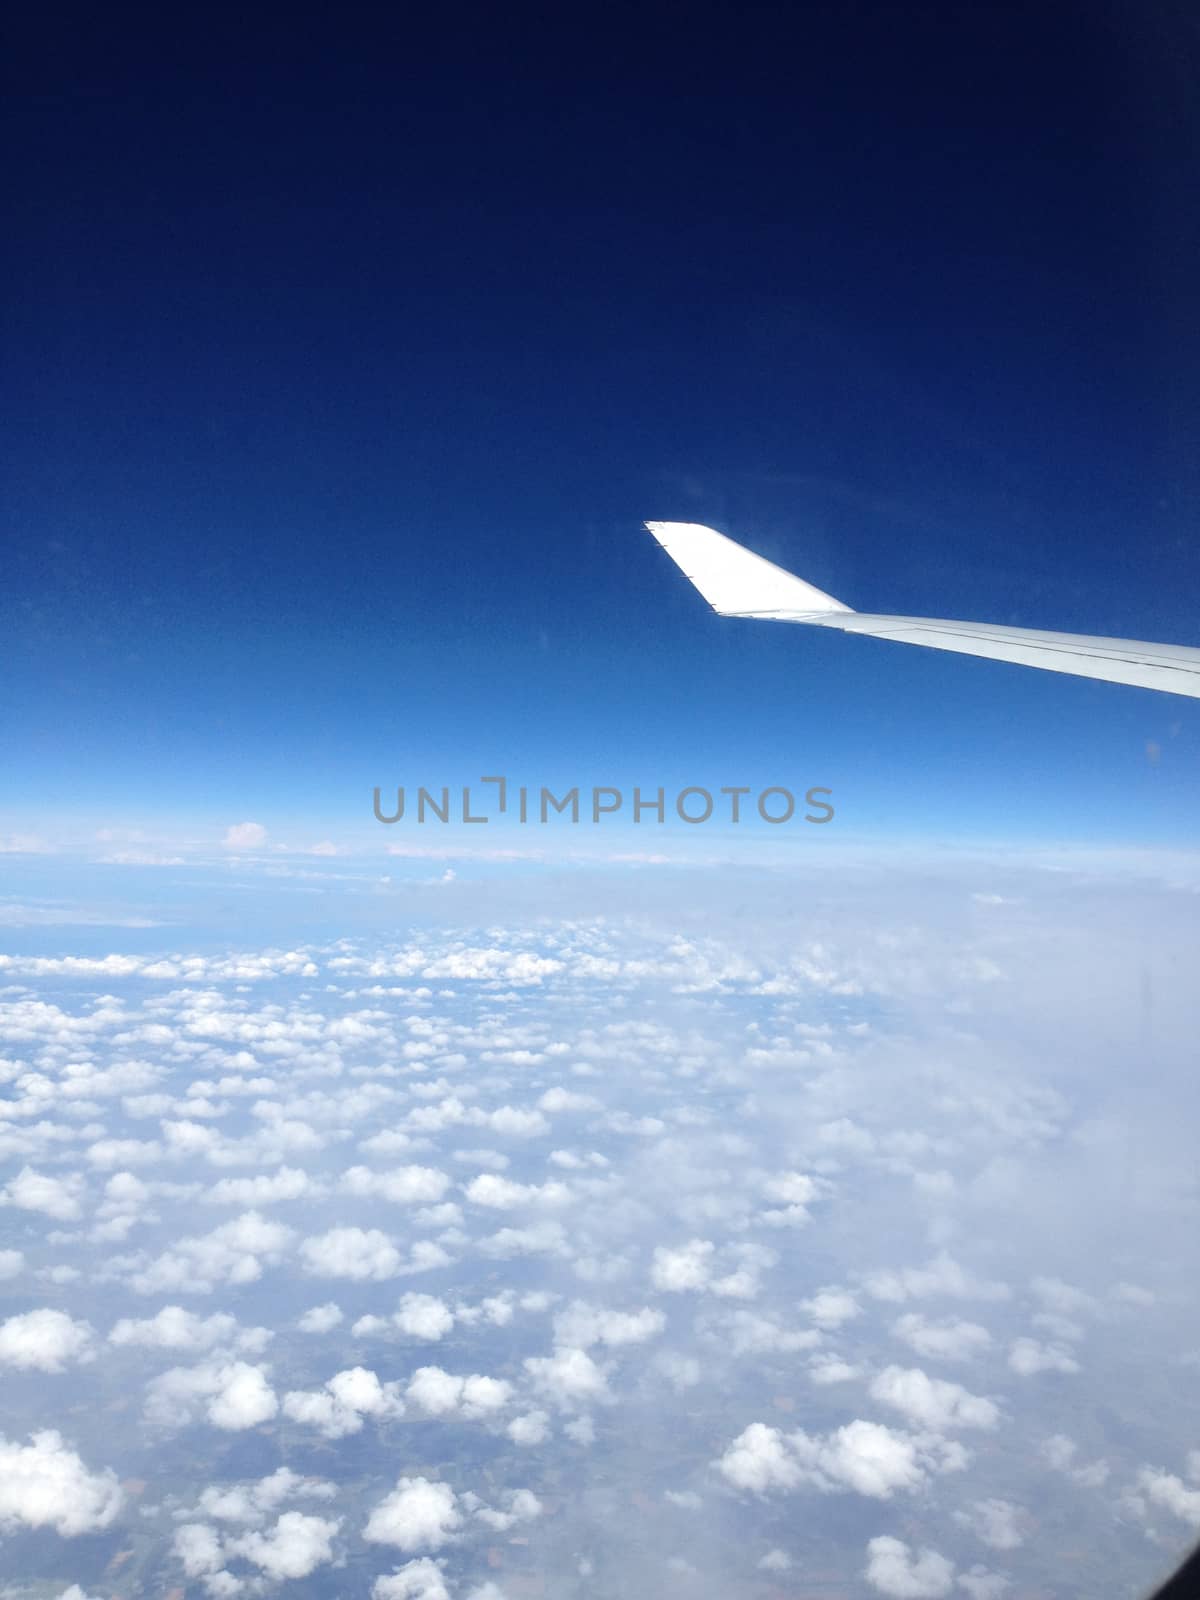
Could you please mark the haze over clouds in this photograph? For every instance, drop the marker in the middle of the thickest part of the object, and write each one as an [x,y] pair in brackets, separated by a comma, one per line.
[243,1221]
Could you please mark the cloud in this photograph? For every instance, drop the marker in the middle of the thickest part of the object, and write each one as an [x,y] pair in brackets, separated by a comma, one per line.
[44,1484]
[845,1134]
[681,1372]
[570,1378]
[573,1161]
[1063,1298]
[829,1308]
[581,1429]
[283,1078]
[827,1368]
[522,1506]
[251,1503]
[942,1277]
[498,1309]
[582,1325]
[234,1253]
[1059,1453]
[244,836]
[747,1333]
[795,1191]
[995,1523]
[415,1580]
[233,1395]
[110,1153]
[1133,1294]
[439,1393]
[865,1457]
[775,1561]
[759,1460]
[539,1238]
[45,1340]
[423,1316]
[1027,1358]
[502,1194]
[293,1548]
[981,1584]
[339,1408]
[410,1185]
[895,1570]
[321,1319]
[59,1198]
[531,1428]
[950,1340]
[693,1267]
[1169,1492]
[683,1269]
[174,1328]
[288,1183]
[198,1548]
[417,1514]
[361,1254]
[559,1099]
[933,1402]
[24,844]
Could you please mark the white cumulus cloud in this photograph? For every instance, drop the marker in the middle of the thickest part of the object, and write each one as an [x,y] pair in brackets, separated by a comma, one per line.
[233,1395]
[45,1484]
[60,1198]
[418,1514]
[904,1574]
[933,1402]
[44,1340]
[415,1580]
[360,1254]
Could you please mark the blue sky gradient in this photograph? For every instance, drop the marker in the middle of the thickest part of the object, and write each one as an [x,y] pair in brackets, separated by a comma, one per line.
[342,377]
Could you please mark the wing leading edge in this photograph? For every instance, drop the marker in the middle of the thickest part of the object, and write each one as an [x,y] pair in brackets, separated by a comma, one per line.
[738,583]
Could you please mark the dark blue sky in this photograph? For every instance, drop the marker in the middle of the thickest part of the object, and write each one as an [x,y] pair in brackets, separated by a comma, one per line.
[346,355]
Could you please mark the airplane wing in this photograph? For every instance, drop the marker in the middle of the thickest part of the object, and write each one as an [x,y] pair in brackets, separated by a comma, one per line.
[737,583]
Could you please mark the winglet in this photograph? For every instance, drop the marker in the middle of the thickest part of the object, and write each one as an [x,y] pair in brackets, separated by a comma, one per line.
[734,581]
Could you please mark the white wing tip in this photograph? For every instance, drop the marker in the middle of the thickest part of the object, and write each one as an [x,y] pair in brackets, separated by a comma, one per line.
[734,580]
